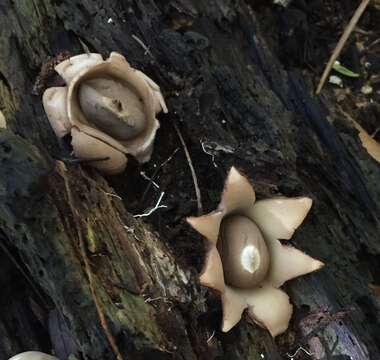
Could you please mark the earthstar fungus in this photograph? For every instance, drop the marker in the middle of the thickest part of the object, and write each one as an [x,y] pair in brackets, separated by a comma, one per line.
[245,261]
[33,355]
[107,107]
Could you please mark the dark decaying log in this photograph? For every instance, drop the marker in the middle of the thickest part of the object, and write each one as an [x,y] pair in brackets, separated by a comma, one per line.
[224,89]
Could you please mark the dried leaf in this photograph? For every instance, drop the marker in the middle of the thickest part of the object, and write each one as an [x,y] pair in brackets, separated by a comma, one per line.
[370,144]
[375,288]
[336,80]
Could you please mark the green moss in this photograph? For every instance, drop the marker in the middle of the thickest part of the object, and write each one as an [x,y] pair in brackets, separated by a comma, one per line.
[8,103]
[72,357]
[132,314]
[138,315]
[92,242]
[253,354]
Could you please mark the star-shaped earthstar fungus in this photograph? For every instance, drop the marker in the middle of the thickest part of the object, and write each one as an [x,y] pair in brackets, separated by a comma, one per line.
[245,260]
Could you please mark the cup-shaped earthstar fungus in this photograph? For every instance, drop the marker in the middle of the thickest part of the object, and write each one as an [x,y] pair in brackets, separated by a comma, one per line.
[108,108]
[245,261]
[33,355]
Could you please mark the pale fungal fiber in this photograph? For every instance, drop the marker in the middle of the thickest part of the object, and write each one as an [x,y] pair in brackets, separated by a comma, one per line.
[245,261]
[107,107]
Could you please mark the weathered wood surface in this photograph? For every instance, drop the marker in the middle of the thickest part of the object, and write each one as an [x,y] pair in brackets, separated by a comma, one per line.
[223,86]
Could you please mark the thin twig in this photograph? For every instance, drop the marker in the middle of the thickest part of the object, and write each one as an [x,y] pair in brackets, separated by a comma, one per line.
[342,41]
[204,144]
[149,299]
[166,300]
[146,177]
[151,211]
[211,337]
[155,174]
[113,195]
[84,46]
[131,230]
[193,174]
[375,133]
[77,219]
[84,160]
[168,159]
[372,44]
[301,348]
[163,298]
[363,32]
[141,43]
